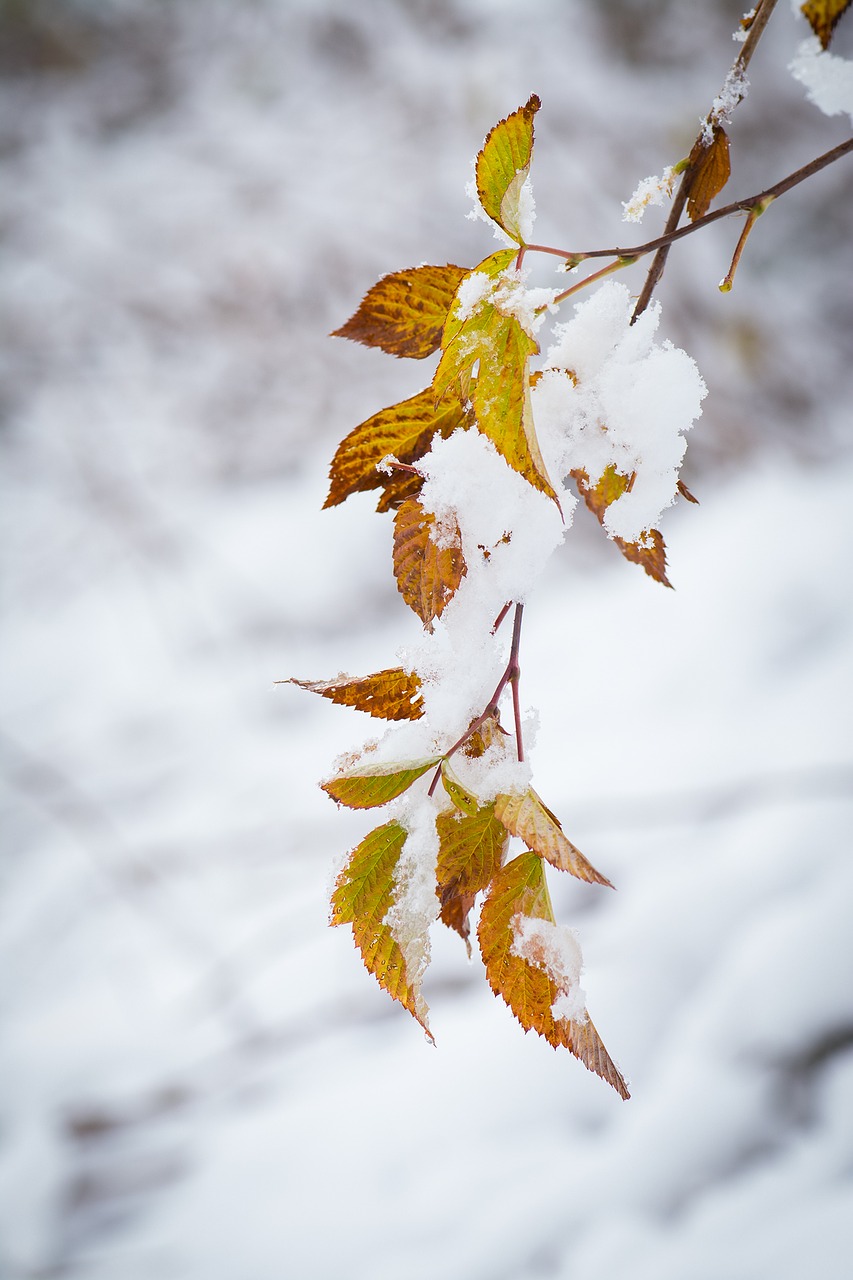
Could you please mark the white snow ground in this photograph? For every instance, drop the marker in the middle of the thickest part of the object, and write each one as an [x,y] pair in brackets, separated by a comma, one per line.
[198,1077]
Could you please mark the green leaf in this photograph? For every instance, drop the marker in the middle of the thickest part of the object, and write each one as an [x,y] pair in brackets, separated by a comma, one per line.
[503,165]
[463,799]
[404,313]
[363,896]
[369,788]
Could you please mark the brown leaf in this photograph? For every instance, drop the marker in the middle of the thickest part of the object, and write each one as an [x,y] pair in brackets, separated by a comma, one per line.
[427,574]
[406,431]
[388,695]
[363,896]
[404,312]
[685,493]
[471,849]
[524,815]
[823,16]
[519,890]
[650,551]
[710,168]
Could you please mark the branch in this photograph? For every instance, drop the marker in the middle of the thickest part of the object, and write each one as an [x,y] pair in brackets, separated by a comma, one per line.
[749,204]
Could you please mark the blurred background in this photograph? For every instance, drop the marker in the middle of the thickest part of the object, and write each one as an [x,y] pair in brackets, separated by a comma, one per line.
[197,1077]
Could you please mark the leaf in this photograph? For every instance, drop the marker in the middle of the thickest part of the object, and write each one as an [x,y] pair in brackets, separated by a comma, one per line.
[463,799]
[404,312]
[405,430]
[369,788]
[524,815]
[710,168]
[427,574]
[362,897]
[823,16]
[396,488]
[519,889]
[503,165]
[650,551]
[471,850]
[388,695]
[494,343]
[685,493]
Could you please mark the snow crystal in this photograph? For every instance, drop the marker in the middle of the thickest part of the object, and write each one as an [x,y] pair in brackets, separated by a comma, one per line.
[828,79]
[611,396]
[651,190]
[734,90]
[507,293]
[415,903]
[555,950]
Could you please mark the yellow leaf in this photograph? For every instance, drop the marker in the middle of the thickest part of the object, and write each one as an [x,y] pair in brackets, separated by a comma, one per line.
[524,815]
[650,551]
[519,890]
[503,166]
[823,16]
[710,169]
[471,850]
[462,798]
[427,574]
[485,358]
[369,788]
[388,695]
[405,431]
[363,896]
[404,312]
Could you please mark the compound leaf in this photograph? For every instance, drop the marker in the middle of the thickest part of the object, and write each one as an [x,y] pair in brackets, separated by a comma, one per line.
[650,551]
[503,166]
[389,695]
[531,990]
[404,312]
[405,431]
[369,788]
[711,168]
[427,574]
[362,897]
[823,16]
[524,815]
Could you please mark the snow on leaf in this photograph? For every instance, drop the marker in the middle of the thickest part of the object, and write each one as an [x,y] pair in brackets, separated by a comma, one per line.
[710,170]
[485,338]
[650,551]
[389,695]
[405,431]
[519,890]
[427,573]
[503,166]
[404,312]
[369,788]
[524,815]
[823,17]
[471,850]
[362,897]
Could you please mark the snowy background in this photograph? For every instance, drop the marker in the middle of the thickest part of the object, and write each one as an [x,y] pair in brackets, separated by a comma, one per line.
[197,1077]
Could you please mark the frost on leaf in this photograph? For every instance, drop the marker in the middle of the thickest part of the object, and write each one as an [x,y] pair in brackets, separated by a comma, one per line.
[428,571]
[524,815]
[519,892]
[503,166]
[363,896]
[404,431]
[369,788]
[710,170]
[404,312]
[823,17]
[485,358]
[471,850]
[650,551]
[394,694]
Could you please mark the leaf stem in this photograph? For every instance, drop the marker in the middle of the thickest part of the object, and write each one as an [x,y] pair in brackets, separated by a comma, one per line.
[754,214]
